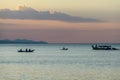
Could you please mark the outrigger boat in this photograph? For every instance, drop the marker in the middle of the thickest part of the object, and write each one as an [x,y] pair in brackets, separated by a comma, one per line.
[26,50]
[103,47]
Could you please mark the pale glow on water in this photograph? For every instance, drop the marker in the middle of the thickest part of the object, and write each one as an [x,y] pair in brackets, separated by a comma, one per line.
[56,72]
[48,62]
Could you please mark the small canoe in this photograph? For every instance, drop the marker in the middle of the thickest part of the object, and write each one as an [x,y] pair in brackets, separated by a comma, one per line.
[26,51]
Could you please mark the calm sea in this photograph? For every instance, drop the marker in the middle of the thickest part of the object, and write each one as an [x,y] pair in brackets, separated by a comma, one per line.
[48,62]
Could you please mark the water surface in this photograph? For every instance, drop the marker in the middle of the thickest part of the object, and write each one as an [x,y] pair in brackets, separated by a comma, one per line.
[48,62]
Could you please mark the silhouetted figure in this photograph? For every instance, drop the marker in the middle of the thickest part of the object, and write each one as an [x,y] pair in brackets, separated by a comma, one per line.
[92,46]
[20,49]
[26,50]
[29,50]
[96,46]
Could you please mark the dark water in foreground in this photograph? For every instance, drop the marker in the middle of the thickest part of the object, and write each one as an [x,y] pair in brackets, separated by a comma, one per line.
[48,62]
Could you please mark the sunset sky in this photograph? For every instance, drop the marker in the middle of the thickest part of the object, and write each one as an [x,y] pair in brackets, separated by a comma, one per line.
[61,21]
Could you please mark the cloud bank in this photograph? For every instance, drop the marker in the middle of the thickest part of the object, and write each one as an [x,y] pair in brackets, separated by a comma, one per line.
[24,12]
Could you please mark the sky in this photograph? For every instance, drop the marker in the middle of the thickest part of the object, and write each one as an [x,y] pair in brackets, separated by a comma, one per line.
[61,21]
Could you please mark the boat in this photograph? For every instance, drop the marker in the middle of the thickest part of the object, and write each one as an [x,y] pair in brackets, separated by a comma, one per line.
[64,48]
[103,47]
[26,50]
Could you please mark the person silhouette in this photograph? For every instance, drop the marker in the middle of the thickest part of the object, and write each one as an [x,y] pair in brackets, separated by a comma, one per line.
[26,50]
[20,49]
[29,50]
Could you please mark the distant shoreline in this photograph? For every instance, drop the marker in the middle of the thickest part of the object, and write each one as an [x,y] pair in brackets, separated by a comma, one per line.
[22,41]
[63,43]
[26,41]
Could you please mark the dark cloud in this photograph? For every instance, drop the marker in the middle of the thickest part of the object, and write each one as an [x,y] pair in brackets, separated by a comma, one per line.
[30,13]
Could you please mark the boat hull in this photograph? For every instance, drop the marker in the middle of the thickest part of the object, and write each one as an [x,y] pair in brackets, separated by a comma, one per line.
[26,51]
[103,49]
[98,47]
